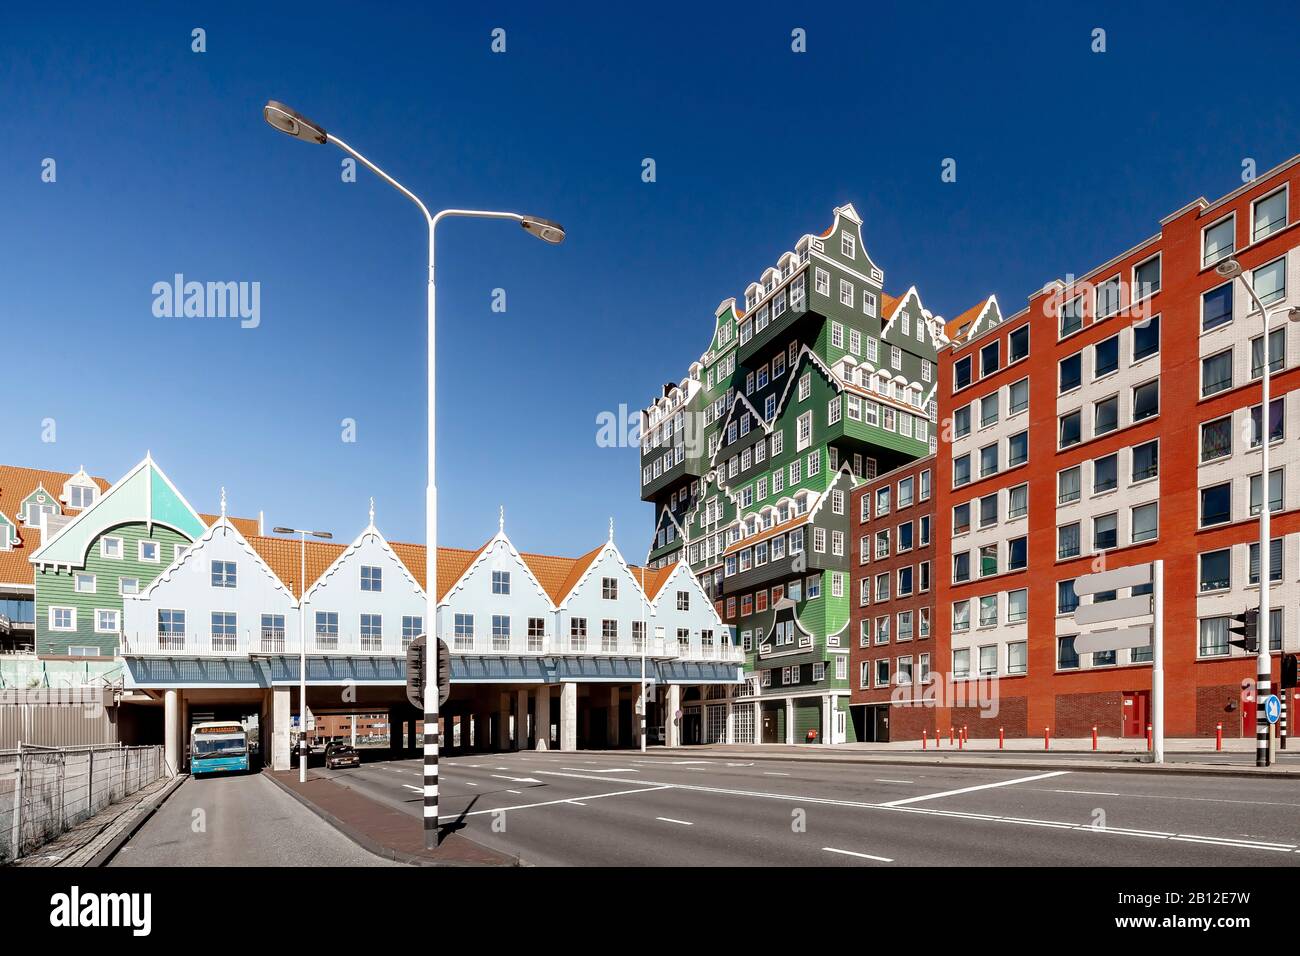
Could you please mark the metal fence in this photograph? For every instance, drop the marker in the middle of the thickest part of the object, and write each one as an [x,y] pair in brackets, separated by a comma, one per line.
[45,791]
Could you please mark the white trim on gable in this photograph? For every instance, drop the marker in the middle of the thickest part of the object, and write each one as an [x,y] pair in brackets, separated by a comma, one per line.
[482,556]
[370,532]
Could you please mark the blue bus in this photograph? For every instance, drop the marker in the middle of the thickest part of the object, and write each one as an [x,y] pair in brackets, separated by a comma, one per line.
[218,746]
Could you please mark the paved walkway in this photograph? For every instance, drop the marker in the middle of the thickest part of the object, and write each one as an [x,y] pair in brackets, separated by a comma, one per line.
[84,842]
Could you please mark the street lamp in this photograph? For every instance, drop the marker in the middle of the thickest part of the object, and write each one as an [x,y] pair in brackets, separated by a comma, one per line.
[302,645]
[298,126]
[1230,268]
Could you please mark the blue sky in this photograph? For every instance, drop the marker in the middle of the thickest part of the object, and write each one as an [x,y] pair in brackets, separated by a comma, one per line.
[1064,158]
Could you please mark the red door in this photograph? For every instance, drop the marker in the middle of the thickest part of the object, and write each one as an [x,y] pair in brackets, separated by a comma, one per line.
[1135,713]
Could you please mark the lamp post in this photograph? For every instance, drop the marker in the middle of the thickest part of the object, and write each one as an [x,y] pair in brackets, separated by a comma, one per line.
[298,126]
[1230,268]
[302,644]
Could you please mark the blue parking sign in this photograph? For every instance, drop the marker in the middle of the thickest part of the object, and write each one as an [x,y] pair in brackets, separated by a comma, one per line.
[1272,708]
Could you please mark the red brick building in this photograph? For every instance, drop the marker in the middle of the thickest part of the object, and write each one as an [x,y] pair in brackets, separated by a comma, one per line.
[892,614]
[1109,423]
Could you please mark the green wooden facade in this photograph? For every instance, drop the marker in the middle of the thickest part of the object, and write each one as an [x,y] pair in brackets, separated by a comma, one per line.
[819,382]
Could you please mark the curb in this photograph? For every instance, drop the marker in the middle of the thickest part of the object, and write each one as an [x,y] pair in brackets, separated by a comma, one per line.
[103,857]
[1202,770]
[363,841]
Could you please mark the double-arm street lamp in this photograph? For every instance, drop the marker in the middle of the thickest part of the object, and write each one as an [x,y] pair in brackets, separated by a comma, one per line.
[1230,268]
[302,645]
[298,126]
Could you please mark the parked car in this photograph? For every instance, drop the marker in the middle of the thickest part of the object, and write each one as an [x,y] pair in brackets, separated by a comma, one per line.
[338,754]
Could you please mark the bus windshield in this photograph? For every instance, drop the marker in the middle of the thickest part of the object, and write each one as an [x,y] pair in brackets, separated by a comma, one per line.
[219,746]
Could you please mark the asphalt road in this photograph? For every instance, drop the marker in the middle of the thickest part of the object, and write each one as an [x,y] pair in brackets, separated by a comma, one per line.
[596,809]
[238,821]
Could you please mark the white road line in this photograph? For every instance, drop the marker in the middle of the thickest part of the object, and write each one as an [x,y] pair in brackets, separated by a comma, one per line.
[576,803]
[1085,793]
[551,803]
[685,823]
[774,773]
[469,784]
[416,789]
[865,856]
[615,770]
[515,792]
[982,786]
[887,780]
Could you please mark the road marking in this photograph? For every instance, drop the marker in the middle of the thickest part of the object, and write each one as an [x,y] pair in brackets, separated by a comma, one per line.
[1241,844]
[469,784]
[581,770]
[888,780]
[416,789]
[685,823]
[515,792]
[576,803]
[551,803]
[865,856]
[501,776]
[682,762]
[1086,793]
[774,773]
[982,786]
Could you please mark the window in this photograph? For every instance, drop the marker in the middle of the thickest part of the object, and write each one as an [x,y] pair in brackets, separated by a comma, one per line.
[372,631]
[1218,241]
[578,633]
[1268,215]
[905,581]
[1107,298]
[108,547]
[1276,422]
[1105,474]
[1274,561]
[148,551]
[1216,504]
[961,664]
[412,627]
[1146,278]
[1146,338]
[107,621]
[223,574]
[882,673]
[463,631]
[1145,522]
[1071,429]
[1274,492]
[1017,554]
[1019,396]
[961,373]
[1105,416]
[1070,374]
[904,493]
[1018,344]
[1072,316]
[989,510]
[989,410]
[1105,357]
[1105,531]
[272,633]
[1017,657]
[1214,637]
[1216,373]
[990,359]
[608,635]
[1270,281]
[1018,501]
[1216,570]
[128,586]
[989,660]
[988,460]
[1146,400]
[1067,541]
[171,628]
[1068,485]
[961,471]
[372,579]
[925,485]
[988,560]
[609,589]
[1146,460]
[500,582]
[1066,599]
[1216,307]
[1017,449]
[327,630]
[1276,353]
[961,518]
[1066,658]
[961,616]
[84,583]
[846,293]
[961,567]
[1216,438]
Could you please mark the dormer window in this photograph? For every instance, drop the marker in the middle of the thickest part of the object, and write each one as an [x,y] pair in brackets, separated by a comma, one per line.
[81,496]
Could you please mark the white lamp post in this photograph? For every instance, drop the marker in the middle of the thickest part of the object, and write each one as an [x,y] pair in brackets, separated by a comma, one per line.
[298,126]
[1230,268]
[302,645]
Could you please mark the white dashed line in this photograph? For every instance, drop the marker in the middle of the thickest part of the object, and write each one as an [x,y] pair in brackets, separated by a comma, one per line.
[865,856]
[685,823]
[982,786]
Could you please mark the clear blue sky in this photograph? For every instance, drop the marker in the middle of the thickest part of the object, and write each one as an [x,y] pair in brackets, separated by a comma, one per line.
[1064,158]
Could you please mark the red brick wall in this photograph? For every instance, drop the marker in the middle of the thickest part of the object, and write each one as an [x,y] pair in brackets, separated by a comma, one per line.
[1012,717]
[906,723]
[1077,714]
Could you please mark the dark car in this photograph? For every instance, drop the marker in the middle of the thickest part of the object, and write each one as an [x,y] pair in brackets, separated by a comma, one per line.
[339,754]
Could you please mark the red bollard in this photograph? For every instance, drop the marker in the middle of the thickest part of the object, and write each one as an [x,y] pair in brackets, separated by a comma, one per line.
[1047,738]
[1001,738]
[1148,736]
[1094,738]
[965,735]
[950,736]
[1218,736]
[925,738]
[961,741]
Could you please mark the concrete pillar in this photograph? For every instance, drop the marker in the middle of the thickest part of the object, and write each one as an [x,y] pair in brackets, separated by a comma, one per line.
[172,731]
[410,734]
[789,720]
[615,695]
[568,716]
[503,724]
[281,716]
[394,732]
[731,724]
[638,714]
[542,719]
[483,730]
[673,725]
[354,730]
[521,719]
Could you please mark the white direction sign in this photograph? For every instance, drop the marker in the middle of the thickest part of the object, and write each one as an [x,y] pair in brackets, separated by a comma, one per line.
[1117,610]
[1139,636]
[1112,580]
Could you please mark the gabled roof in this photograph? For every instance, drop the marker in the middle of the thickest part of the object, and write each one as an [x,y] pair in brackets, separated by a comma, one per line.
[16,483]
[968,323]
[220,525]
[245,526]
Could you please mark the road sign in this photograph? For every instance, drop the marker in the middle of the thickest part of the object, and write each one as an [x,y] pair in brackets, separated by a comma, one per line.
[1272,708]
[1113,580]
[1137,636]
[415,673]
[1117,610]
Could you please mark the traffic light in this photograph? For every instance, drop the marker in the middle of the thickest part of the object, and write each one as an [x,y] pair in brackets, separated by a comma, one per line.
[1289,671]
[415,673]
[1247,625]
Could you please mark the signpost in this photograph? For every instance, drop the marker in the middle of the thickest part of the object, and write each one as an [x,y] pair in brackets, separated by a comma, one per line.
[1272,708]
[1137,633]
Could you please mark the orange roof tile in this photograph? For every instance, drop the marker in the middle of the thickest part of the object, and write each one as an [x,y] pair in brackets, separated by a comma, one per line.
[771,532]
[953,329]
[247,526]
[284,556]
[888,304]
[551,572]
[15,568]
[577,569]
[655,578]
[17,483]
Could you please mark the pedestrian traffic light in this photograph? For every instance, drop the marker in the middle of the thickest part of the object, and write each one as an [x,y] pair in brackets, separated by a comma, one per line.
[1247,625]
[1290,671]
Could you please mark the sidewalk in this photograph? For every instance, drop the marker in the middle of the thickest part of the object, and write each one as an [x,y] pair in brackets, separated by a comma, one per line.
[1064,755]
[382,830]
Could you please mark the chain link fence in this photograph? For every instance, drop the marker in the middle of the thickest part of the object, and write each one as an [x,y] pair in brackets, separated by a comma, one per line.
[45,791]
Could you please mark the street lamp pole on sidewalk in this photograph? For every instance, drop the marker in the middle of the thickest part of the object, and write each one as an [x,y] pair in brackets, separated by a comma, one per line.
[302,645]
[298,126]
[1230,268]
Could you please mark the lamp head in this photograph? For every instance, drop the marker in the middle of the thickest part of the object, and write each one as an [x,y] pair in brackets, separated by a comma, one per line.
[284,531]
[1228,268]
[292,122]
[1293,313]
[543,229]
